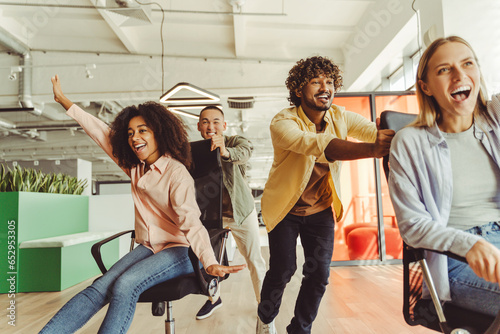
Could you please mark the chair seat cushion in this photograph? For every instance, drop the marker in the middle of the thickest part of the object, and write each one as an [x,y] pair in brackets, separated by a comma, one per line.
[173,289]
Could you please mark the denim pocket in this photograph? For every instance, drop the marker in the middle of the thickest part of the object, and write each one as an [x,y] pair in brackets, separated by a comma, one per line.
[495,226]
[491,233]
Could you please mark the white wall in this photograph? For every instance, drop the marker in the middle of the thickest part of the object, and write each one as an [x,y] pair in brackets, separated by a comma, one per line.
[475,21]
[114,188]
[478,22]
[112,213]
[381,35]
[389,29]
[84,171]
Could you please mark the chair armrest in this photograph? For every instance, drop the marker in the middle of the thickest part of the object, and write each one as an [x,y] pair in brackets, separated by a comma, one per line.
[495,326]
[418,253]
[215,235]
[96,248]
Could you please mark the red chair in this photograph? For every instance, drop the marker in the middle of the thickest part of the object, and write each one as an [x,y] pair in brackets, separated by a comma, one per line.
[362,242]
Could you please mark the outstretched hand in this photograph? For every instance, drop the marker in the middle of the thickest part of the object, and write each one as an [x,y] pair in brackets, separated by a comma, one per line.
[484,259]
[58,94]
[221,271]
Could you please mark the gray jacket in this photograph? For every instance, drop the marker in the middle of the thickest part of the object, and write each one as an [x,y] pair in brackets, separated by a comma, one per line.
[234,176]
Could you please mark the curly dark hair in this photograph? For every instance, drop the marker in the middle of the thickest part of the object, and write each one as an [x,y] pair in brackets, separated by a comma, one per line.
[169,132]
[307,69]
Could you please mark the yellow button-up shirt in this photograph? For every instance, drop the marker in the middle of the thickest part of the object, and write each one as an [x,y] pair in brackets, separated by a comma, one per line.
[166,211]
[297,147]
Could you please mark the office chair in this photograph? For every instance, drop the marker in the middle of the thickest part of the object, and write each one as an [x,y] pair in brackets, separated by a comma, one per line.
[207,175]
[431,313]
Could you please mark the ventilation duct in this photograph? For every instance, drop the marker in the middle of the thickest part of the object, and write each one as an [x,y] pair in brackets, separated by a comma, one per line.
[126,13]
[240,102]
[25,76]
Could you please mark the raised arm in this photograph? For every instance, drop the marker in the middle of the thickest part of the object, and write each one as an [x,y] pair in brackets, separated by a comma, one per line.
[94,127]
[59,97]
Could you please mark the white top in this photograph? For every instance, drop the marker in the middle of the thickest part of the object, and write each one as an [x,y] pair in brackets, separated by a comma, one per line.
[476,182]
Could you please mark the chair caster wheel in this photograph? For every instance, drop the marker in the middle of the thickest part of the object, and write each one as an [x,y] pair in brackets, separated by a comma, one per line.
[158,309]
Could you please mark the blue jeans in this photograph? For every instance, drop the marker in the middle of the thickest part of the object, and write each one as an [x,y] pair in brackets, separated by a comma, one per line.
[467,289]
[121,287]
[316,234]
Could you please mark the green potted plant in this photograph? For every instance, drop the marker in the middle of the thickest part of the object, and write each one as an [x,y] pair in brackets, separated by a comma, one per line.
[30,180]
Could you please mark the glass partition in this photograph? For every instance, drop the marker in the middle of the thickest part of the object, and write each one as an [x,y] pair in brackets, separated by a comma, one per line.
[367,233]
[393,242]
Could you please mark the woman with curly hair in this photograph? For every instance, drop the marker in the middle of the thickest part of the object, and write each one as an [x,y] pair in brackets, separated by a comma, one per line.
[301,195]
[151,145]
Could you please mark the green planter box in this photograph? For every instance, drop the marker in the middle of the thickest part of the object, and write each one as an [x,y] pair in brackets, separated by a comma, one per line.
[27,216]
[58,268]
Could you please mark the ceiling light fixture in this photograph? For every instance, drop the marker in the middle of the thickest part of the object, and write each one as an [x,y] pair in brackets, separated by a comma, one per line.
[183,113]
[89,67]
[208,97]
[13,72]
[179,109]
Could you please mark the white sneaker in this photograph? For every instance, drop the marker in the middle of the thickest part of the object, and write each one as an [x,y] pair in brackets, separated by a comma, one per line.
[263,328]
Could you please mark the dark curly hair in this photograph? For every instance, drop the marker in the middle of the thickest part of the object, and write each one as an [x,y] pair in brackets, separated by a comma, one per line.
[169,132]
[307,69]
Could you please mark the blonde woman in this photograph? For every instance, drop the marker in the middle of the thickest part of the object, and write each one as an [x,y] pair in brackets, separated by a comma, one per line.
[445,176]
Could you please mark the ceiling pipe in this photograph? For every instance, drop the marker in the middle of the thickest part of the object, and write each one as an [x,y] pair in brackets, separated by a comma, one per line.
[26,76]
[180,11]
[4,124]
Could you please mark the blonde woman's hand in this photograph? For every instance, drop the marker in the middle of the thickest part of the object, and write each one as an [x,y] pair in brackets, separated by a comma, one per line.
[484,259]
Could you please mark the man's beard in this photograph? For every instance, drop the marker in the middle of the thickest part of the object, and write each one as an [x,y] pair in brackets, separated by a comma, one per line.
[317,108]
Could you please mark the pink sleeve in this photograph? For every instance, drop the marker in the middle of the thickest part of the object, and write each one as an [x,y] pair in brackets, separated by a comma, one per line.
[96,129]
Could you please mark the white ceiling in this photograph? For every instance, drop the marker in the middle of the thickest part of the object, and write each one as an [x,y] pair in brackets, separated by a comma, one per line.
[233,48]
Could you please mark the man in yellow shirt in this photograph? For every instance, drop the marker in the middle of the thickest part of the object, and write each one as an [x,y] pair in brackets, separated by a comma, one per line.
[301,194]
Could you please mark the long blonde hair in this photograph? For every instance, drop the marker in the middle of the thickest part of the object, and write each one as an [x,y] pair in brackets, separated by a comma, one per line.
[430,112]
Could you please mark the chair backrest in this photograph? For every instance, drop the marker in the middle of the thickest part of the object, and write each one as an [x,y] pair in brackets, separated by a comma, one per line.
[393,120]
[412,274]
[207,174]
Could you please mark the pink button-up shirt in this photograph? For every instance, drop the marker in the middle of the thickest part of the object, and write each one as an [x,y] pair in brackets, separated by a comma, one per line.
[166,212]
